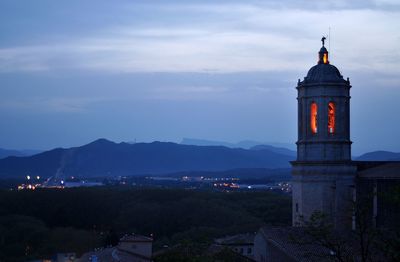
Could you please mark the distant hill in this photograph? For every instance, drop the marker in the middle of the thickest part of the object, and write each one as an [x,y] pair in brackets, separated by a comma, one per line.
[279,150]
[379,156]
[9,152]
[246,144]
[106,158]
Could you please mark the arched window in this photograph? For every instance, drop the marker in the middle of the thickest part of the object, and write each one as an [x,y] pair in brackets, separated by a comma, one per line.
[313,119]
[325,58]
[331,117]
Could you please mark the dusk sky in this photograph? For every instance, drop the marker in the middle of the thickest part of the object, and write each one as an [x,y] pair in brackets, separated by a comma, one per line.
[75,71]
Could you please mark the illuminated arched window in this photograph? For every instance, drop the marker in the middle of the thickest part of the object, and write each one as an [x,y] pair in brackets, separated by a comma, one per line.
[331,117]
[313,119]
[325,58]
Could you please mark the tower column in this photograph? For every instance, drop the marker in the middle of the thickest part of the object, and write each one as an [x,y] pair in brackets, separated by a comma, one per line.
[323,174]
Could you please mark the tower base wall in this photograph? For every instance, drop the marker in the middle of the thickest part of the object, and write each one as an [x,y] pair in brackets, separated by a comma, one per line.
[326,188]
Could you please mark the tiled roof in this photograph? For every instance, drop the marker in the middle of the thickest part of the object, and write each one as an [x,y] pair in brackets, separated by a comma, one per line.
[285,240]
[240,239]
[135,238]
[113,254]
[386,170]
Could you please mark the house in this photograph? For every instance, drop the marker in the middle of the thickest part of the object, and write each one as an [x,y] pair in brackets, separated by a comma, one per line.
[242,244]
[131,248]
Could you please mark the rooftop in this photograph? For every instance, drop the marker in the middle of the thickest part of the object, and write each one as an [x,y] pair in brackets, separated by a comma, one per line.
[288,241]
[240,239]
[379,169]
[135,238]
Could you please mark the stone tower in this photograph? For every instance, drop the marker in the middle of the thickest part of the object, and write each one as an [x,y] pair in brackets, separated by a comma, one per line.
[323,174]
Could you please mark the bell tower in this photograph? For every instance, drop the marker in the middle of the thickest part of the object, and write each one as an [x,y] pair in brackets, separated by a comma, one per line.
[323,174]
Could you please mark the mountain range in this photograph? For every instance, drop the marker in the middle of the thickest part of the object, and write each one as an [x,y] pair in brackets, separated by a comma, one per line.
[106,158]
[246,144]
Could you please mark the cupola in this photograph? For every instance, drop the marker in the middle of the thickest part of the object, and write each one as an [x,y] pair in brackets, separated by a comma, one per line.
[323,53]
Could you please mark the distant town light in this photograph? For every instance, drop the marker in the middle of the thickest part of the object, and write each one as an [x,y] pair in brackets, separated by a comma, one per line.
[28,177]
[37,177]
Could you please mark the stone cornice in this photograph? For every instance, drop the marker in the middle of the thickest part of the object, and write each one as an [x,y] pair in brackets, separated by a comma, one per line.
[324,142]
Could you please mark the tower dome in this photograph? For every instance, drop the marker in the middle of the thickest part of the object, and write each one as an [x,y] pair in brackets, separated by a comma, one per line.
[323,71]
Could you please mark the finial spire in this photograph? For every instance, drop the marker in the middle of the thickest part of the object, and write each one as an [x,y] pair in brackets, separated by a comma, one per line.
[323,40]
[323,53]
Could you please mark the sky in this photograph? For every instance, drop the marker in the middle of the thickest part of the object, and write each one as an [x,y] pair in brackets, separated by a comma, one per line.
[74,71]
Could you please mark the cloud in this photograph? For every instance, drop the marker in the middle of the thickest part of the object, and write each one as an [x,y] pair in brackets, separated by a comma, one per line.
[229,38]
[48,104]
[251,5]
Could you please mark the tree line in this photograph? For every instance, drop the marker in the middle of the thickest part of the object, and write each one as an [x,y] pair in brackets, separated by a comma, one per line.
[40,223]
